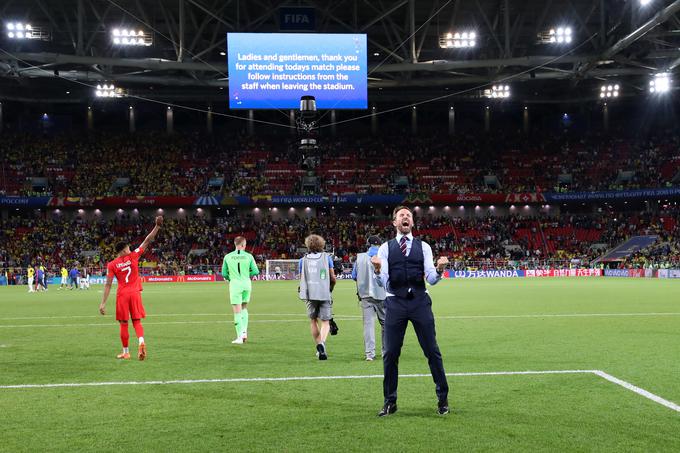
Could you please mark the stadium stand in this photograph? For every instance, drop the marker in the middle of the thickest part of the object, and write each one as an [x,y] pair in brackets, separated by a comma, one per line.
[196,244]
[194,164]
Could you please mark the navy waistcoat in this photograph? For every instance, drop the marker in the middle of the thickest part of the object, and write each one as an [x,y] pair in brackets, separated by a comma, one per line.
[406,273]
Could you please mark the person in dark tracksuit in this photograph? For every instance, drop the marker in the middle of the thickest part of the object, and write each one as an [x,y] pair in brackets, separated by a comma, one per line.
[402,266]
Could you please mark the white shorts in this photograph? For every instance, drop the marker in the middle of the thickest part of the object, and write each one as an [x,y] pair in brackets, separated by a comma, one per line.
[30,280]
[63,280]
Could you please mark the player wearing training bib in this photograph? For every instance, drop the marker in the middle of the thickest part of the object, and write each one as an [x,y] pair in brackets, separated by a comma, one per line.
[129,293]
[238,267]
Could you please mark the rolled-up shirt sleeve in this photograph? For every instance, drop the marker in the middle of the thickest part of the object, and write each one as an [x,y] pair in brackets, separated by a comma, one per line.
[383,278]
[431,274]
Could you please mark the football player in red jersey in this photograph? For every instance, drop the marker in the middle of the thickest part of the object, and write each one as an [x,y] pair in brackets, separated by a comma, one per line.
[129,294]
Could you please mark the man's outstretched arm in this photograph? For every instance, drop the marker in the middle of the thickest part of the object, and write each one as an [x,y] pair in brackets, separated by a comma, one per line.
[150,238]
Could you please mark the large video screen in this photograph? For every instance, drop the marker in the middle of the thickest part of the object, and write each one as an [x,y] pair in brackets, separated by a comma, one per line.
[273,70]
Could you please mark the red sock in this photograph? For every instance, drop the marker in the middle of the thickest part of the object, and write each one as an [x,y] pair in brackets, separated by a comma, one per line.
[124,334]
[139,330]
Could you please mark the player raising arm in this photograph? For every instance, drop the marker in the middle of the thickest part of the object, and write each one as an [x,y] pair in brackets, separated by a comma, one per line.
[128,295]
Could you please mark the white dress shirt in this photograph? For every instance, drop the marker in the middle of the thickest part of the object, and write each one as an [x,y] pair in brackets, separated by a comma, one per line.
[431,274]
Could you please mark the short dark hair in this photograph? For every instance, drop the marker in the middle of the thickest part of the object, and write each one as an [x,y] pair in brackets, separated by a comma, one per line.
[120,246]
[399,208]
[374,240]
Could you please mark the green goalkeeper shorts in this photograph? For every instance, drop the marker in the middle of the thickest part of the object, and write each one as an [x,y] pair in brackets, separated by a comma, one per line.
[239,293]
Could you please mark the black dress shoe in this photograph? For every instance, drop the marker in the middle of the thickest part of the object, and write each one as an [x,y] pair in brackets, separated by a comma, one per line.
[443,407]
[388,409]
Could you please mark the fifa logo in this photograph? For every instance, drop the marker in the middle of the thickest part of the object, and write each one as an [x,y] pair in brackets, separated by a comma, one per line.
[296,18]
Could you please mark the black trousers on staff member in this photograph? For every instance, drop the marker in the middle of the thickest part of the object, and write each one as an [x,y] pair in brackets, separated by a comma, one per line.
[398,312]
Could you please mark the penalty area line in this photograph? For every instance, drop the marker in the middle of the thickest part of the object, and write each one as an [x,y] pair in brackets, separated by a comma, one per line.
[164,315]
[283,379]
[606,376]
[302,318]
[640,391]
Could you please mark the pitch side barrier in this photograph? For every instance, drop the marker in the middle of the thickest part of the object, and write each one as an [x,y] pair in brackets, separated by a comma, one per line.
[101,279]
[529,273]
[197,278]
[642,273]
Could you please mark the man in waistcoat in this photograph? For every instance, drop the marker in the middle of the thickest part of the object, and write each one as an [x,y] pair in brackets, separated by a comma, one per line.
[371,296]
[317,280]
[402,266]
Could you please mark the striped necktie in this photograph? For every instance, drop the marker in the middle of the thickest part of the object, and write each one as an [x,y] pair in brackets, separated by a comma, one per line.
[402,244]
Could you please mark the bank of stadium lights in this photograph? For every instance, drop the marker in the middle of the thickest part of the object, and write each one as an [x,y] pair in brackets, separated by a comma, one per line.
[645,2]
[108,91]
[458,40]
[20,30]
[558,35]
[660,84]
[128,37]
[498,92]
[609,91]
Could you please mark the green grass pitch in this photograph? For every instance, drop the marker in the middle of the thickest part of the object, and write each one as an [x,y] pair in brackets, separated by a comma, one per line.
[482,326]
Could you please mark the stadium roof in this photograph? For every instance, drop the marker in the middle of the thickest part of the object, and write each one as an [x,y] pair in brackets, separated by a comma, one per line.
[612,40]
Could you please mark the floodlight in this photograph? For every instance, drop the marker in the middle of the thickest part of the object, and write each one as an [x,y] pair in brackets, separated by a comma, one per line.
[556,35]
[458,40]
[21,30]
[661,83]
[498,92]
[129,37]
[609,91]
[108,91]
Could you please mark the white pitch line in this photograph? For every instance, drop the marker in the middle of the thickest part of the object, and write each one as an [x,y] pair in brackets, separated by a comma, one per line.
[161,315]
[556,315]
[642,392]
[627,385]
[302,318]
[284,379]
[339,317]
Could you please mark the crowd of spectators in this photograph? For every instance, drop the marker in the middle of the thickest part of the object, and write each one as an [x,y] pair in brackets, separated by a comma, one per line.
[665,252]
[155,164]
[196,244]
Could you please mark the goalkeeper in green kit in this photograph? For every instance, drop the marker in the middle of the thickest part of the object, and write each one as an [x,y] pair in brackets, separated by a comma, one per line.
[238,267]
